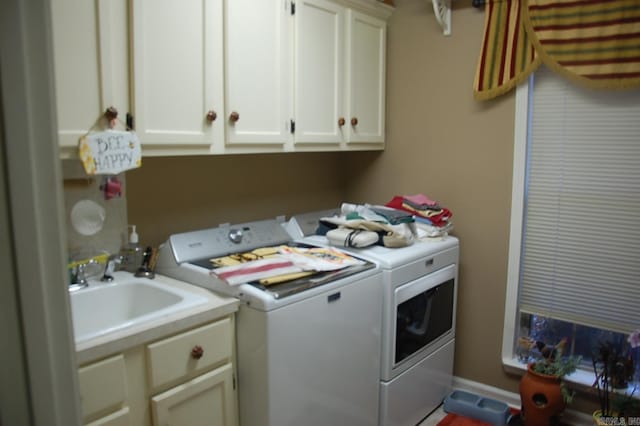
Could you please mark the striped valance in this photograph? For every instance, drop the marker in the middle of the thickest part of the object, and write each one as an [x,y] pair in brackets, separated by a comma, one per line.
[507,55]
[594,42]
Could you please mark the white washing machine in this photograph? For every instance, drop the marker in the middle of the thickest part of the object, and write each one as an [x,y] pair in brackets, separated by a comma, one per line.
[418,320]
[308,350]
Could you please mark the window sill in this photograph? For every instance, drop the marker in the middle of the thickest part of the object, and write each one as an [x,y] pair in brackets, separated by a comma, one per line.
[581,380]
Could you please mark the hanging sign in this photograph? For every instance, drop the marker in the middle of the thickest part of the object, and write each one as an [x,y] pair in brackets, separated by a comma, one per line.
[110,152]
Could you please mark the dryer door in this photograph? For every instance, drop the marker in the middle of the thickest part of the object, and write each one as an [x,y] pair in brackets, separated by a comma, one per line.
[423,314]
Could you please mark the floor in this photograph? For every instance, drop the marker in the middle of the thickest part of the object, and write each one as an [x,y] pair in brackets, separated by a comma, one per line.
[434,418]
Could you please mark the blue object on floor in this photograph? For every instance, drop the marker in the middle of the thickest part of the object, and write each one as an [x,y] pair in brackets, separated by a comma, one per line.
[471,405]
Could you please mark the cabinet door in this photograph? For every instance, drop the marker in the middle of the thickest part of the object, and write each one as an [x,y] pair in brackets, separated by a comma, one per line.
[366,77]
[177,73]
[319,71]
[103,387]
[257,76]
[90,42]
[207,400]
[171,359]
[119,418]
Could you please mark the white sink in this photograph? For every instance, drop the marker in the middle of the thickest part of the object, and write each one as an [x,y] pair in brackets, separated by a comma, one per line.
[127,301]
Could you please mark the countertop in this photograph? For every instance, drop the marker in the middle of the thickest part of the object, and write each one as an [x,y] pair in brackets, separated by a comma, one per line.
[215,307]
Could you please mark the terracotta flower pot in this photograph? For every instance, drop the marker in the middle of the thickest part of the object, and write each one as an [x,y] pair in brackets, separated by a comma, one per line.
[542,401]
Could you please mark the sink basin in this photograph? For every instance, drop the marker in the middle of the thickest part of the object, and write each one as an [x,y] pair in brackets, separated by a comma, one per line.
[127,301]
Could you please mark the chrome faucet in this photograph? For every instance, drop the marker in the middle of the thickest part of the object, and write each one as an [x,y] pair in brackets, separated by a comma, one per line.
[110,267]
[78,277]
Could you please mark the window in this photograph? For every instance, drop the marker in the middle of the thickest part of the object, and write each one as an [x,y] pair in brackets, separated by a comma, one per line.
[581,339]
[574,262]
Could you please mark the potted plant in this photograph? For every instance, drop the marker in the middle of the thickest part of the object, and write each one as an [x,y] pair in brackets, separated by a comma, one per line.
[543,393]
[613,371]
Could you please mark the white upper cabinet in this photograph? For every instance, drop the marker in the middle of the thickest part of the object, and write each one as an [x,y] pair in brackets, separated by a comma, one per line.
[365,78]
[257,73]
[319,71]
[90,65]
[223,76]
[308,75]
[177,75]
[340,60]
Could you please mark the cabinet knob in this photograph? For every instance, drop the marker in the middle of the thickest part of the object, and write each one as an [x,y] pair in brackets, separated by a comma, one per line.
[234,116]
[341,121]
[197,352]
[211,116]
[354,121]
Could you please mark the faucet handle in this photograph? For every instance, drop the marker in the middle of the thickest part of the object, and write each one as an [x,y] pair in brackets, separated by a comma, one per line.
[78,274]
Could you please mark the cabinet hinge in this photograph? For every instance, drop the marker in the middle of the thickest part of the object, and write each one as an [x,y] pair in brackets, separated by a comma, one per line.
[293,126]
[234,382]
[129,121]
[293,7]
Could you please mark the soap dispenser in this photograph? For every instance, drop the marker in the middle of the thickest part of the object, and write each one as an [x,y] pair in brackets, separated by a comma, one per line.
[132,256]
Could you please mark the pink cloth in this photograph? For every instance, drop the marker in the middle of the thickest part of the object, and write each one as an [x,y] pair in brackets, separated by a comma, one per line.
[420,199]
[438,216]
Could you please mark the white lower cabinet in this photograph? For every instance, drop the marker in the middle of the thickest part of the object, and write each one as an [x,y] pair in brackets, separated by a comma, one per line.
[103,390]
[207,400]
[119,418]
[184,379]
[196,396]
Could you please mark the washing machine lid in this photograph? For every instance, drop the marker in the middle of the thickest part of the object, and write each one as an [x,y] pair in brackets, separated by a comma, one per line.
[305,224]
[194,257]
[282,286]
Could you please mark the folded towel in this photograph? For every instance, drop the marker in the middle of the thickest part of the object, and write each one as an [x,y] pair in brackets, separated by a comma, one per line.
[256,270]
[346,237]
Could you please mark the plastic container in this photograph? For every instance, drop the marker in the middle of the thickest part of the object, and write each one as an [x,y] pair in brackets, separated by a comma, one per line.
[132,254]
[471,405]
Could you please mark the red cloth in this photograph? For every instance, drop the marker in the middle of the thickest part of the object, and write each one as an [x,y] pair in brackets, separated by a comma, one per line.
[457,420]
[438,217]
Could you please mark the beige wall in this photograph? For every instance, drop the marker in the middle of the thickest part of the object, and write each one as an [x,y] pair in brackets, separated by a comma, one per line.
[179,194]
[111,233]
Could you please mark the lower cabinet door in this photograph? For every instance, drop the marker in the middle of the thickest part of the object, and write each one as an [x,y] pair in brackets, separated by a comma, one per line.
[103,387]
[119,418]
[207,400]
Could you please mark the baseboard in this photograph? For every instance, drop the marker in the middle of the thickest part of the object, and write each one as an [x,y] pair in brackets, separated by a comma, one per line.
[512,399]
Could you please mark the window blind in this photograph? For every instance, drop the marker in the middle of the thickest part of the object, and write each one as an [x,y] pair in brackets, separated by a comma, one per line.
[581,236]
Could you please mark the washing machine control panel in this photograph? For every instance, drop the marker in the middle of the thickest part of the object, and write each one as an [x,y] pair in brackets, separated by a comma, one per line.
[226,239]
[235,235]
